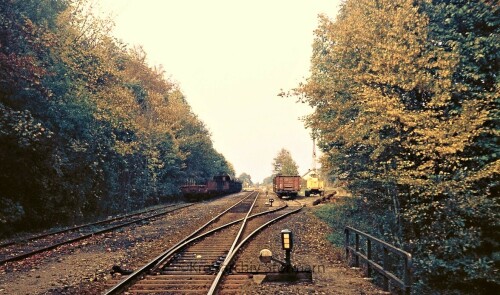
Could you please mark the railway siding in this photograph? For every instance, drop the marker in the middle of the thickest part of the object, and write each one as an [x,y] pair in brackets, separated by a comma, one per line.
[311,252]
[86,270]
[85,267]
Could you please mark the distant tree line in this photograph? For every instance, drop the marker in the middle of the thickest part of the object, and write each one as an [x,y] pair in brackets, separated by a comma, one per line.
[87,128]
[245,179]
[406,102]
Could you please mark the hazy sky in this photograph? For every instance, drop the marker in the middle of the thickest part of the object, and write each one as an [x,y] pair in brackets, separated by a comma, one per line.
[231,59]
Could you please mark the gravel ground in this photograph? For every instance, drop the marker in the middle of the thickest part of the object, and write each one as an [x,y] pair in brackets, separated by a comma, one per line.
[85,267]
[311,251]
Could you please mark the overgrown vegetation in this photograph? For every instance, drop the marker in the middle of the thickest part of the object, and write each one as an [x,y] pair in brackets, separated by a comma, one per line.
[86,126]
[406,106]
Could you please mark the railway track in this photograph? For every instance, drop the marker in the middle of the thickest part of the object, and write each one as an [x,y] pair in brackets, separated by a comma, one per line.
[73,228]
[242,272]
[21,249]
[199,264]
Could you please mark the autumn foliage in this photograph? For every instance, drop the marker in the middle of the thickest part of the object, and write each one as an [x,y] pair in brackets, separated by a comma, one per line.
[406,109]
[284,164]
[87,127]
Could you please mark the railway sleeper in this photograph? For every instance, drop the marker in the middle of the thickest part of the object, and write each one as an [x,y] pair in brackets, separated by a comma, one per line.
[167,292]
[174,283]
[179,272]
[171,286]
[195,277]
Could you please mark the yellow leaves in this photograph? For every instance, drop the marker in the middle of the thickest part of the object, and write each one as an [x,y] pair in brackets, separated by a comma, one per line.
[383,90]
[377,152]
[445,138]
[389,39]
[126,148]
[117,105]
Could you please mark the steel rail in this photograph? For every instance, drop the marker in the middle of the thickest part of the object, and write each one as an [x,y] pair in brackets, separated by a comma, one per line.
[156,262]
[182,244]
[163,258]
[231,255]
[69,241]
[74,228]
[244,222]
[187,242]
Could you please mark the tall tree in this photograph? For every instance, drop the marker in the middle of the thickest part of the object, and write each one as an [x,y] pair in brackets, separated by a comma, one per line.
[87,127]
[284,164]
[406,104]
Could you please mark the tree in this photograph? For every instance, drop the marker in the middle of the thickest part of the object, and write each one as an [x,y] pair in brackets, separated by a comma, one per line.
[284,164]
[246,179]
[406,104]
[87,127]
[267,181]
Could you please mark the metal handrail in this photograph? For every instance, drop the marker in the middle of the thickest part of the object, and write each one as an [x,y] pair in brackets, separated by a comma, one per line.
[384,269]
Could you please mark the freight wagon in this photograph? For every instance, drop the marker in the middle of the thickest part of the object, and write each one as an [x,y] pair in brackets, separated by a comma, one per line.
[286,186]
[219,185]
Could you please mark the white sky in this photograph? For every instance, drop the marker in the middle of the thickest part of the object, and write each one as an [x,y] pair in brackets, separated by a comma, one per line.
[231,58]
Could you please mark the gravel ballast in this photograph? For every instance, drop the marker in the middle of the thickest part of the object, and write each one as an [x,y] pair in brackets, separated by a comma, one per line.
[86,267]
[311,251]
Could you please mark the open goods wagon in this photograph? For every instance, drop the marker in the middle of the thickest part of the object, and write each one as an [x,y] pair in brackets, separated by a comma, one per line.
[286,186]
[219,185]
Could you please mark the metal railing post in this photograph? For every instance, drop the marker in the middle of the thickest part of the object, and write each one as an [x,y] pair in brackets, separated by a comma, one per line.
[386,268]
[407,275]
[382,265]
[369,256]
[346,231]
[356,257]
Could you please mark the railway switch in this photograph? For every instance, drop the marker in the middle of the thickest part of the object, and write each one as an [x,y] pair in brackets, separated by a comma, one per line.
[266,255]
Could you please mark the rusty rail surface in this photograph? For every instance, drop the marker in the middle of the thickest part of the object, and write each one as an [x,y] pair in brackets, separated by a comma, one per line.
[124,284]
[386,268]
[22,253]
[231,255]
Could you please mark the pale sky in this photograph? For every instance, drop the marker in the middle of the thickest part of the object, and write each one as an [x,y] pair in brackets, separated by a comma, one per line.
[231,58]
